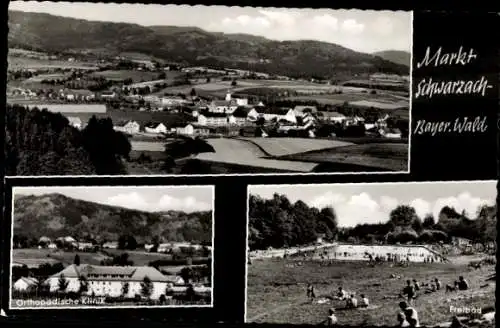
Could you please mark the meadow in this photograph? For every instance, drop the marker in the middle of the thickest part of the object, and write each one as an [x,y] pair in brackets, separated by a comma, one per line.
[276,291]
[385,156]
[18,63]
[40,256]
[136,76]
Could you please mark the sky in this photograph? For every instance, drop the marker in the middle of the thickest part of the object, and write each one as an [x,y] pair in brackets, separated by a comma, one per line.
[182,198]
[360,30]
[373,202]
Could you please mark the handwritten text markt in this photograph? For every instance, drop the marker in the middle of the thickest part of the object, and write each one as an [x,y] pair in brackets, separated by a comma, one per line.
[427,87]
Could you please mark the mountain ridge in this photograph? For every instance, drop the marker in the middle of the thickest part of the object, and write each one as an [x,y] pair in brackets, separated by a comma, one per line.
[395,56]
[55,215]
[194,46]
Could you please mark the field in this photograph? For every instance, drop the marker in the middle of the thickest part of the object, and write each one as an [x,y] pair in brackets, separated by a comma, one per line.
[148,146]
[136,76]
[241,152]
[17,63]
[39,256]
[76,109]
[276,291]
[386,156]
[41,77]
[288,146]
[35,257]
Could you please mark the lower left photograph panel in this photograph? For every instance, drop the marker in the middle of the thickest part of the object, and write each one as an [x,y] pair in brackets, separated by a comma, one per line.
[111,247]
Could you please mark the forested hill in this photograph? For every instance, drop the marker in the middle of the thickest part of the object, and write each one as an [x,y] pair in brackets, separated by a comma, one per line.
[396,56]
[278,223]
[39,142]
[194,46]
[56,215]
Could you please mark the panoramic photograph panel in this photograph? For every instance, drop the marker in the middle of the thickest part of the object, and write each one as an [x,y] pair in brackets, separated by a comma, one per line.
[105,247]
[134,89]
[378,254]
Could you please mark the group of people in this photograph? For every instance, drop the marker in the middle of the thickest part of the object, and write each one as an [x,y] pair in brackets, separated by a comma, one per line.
[408,317]
[342,295]
[413,288]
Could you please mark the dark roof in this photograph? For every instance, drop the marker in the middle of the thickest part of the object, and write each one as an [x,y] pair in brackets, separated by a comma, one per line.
[273,110]
[209,114]
[241,112]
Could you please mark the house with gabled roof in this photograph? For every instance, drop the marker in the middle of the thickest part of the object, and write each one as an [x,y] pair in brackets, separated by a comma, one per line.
[109,280]
[25,284]
[155,127]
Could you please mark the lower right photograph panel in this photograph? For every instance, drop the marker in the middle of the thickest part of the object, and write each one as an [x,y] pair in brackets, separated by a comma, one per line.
[404,254]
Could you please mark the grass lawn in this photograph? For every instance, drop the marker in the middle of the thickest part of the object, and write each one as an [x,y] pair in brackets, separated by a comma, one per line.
[140,258]
[66,258]
[276,291]
[16,63]
[386,156]
[136,76]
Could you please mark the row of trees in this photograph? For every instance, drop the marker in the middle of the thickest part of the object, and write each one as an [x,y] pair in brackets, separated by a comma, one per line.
[277,223]
[39,142]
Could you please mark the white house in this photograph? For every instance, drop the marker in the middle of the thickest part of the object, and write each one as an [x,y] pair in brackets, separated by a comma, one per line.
[212,119]
[110,245]
[175,280]
[222,106]
[75,122]
[52,246]
[25,283]
[301,110]
[85,246]
[278,114]
[187,130]
[129,127]
[172,101]
[334,117]
[155,128]
[109,280]
[108,94]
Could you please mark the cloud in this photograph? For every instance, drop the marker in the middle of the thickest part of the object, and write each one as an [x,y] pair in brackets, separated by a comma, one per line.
[363,208]
[326,21]
[281,18]
[352,26]
[383,26]
[245,21]
[135,200]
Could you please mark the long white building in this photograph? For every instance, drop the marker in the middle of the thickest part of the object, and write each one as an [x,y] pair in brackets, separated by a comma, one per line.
[412,253]
[110,280]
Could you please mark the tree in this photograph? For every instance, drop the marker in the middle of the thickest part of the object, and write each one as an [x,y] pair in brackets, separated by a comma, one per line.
[83,285]
[417,224]
[193,93]
[234,83]
[429,221]
[403,216]
[186,274]
[147,287]
[62,283]
[76,261]
[125,289]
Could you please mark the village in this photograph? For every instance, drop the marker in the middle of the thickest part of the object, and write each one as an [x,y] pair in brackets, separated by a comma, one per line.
[153,103]
[116,279]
